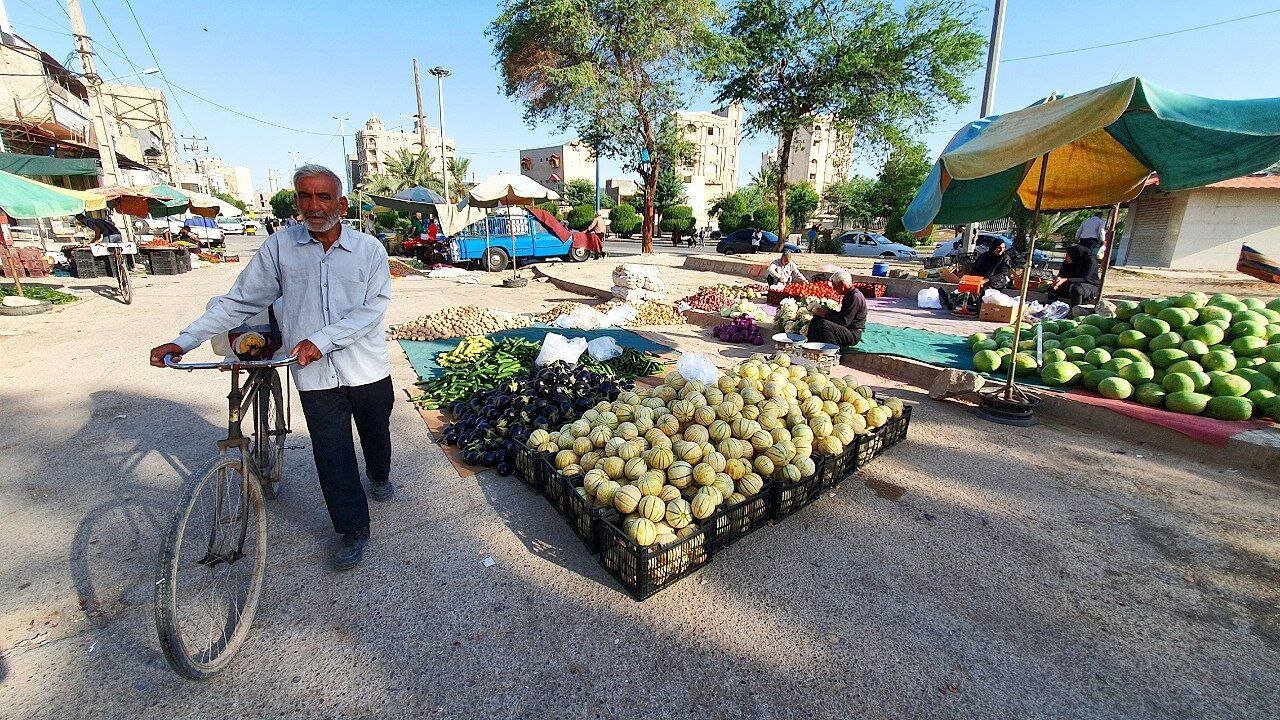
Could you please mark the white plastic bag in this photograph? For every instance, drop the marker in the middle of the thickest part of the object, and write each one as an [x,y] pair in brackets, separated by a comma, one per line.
[558,347]
[928,299]
[693,366]
[995,297]
[620,315]
[581,318]
[603,348]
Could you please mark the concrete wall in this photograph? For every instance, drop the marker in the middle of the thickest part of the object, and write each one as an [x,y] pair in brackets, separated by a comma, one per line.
[1218,221]
[1154,221]
[571,161]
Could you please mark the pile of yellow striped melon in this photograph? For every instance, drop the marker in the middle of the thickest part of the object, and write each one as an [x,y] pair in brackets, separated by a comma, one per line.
[669,457]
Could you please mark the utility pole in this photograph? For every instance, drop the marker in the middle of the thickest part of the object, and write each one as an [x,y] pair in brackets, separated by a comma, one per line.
[294,155]
[342,130]
[597,159]
[106,152]
[195,149]
[441,74]
[421,121]
[988,96]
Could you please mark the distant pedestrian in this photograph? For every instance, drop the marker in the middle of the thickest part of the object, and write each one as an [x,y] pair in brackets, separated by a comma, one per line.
[103,229]
[757,237]
[1092,231]
[702,237]
[812,236]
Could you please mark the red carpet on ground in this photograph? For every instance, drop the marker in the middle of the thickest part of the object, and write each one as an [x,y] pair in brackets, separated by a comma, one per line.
[1196,427]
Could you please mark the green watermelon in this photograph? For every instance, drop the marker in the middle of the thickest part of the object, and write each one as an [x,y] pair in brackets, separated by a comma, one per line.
[1115,363]
[1053,355]
[1116,388]
[1185,366]
[1152,327]
[1214,313]
[1178,382]
[1257,380]
[1229,408]
[976,338]
[1133,354]
[1274,304]
[1132,339]
[986,361]
[1149,394]
[1165,340]
[1074,352]
[1092,378]
[1218,360]
[1175,316]
[1084,329]
[1167,356]
[1260,397]
[1253,303]
[1195,300]
[1026,364]
[1107,340]
[1248,328]
[1153,306]
[1084,342]
[1190,403]
[1126,309]
[1270,369]
[1194,348]
[1247,346]
[1230,385]
[1138,372]
[1207,334]
[1058,374]
[1097,356]
[1119,328]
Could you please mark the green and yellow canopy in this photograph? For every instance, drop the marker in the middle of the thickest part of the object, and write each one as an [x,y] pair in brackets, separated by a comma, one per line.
[1102,146]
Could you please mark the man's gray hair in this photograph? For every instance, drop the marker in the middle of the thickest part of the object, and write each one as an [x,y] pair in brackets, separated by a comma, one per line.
[310,170]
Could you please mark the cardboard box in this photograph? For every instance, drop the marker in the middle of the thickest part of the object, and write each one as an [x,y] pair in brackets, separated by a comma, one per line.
[990,312]
[948,274]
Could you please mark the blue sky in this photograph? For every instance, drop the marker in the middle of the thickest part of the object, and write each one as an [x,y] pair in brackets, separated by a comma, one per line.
[299,64]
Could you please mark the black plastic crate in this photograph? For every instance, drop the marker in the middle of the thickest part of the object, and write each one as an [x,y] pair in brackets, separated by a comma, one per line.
[184,260]
[788,498]
[555,488]
[643,571]
[835,469]
[895,431]
[83,264]
[586,519]
[731,523]
[534,468]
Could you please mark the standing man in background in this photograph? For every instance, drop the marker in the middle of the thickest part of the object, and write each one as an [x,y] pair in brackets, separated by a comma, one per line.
[333,286]
[1093,231]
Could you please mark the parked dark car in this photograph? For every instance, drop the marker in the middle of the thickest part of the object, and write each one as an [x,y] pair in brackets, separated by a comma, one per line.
[739,241]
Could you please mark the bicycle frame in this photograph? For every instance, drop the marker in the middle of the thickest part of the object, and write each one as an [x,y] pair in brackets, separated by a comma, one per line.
[240,399]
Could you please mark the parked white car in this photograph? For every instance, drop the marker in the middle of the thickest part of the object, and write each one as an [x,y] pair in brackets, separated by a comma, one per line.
[983,241]
[858,243]
[231,226]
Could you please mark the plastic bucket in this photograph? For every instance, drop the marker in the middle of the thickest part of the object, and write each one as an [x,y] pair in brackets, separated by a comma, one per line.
[880,269]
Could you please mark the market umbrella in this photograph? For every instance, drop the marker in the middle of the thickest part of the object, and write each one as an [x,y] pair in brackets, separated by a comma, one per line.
[1092,149]
[509,189]
[171,201]
[206,205]
[127,200]
[420,194]
[24,198]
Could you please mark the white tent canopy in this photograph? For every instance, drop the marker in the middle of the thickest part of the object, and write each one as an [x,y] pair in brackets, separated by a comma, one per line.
[202,200]
[509,189]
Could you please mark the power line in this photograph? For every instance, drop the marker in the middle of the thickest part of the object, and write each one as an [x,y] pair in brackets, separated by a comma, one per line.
[1141,39]
[114,38]
[156,60]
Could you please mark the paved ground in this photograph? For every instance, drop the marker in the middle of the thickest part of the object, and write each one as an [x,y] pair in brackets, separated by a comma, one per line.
[975,572]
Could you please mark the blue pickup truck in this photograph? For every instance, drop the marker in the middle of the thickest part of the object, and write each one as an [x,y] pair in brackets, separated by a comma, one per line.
[538,235]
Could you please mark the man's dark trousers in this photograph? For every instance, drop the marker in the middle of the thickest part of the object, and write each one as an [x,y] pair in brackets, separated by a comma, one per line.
[329,414]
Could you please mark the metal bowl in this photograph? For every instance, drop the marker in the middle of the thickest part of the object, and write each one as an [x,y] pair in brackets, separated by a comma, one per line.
[819,347]
[788,339]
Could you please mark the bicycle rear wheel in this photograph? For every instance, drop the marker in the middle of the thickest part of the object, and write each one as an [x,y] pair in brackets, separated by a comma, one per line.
[269,430]
[211,571]
[122,279]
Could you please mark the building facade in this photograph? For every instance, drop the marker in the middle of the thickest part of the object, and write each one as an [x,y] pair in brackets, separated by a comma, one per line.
[376,146]
[709,169]
[1202,228]
[556,165]
[141,116]
[820,155]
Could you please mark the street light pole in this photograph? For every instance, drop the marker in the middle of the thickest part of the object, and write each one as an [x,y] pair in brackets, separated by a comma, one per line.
[342,130]
[442,73]
[110,168]
[988,93]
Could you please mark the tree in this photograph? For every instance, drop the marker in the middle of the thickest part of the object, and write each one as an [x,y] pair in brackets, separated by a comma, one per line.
[765,217]
[581,216]
[583,192]
[678,218]
[843,64]
[231,200]
[624,220]
[405,170]
[900,178]
[284,204]
[610,69]
[852,199]
[670,191]
[802,202]
[766,181]
[459,186]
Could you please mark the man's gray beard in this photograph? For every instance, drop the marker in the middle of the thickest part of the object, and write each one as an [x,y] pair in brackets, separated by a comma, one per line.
[329,221]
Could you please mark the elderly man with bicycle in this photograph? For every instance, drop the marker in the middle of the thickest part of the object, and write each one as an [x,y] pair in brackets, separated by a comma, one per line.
[329,286]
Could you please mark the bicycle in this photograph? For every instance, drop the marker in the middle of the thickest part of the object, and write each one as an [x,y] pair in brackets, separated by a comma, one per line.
[123,284]
[212,563]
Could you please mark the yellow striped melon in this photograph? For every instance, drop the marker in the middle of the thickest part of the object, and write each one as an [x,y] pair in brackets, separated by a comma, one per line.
[805,465]
[764,465]
[606,491]
[680,473]
[669,424]
[669,493]
[821,426]
[716,461]
[724,484]
[703,504]
[634,468]
[737,467]
[679,514]
[734,499]
[683,410]
[592,479]
[660,458]
[628,430]
[789,473]
[719,430]
[674,380]
[565,458]
[652,507]
[582,446]
[828,446]
[565,439]
[727,411]
[600,436]
[613,467]
[549,447]
[622,410]
[626,498]
[651,481]
[538,437]
[877,416]
[642,532]
[696,433]
[629,450]
[741,428]
[714,395]
[749,485]
[704,474]
[590,460]
[657,438]
[687,451]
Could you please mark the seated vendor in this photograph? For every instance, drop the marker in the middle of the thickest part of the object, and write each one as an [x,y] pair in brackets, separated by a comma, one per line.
[1077,282]
[784,270]
[844,326]
[994,266]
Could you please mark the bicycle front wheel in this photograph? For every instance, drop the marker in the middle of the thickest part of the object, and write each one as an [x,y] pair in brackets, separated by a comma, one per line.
[211,570]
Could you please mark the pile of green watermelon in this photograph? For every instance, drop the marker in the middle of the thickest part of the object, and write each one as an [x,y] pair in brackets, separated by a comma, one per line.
[1218,356]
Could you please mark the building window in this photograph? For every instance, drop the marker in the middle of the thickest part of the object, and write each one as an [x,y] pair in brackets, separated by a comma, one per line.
[711,131]
[813,176]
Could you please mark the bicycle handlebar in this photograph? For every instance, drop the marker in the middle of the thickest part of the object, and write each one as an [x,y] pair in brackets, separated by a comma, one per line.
[229,364]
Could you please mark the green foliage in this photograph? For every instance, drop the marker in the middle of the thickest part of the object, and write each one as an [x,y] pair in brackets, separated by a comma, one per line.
[405,170]
[852,199]
[858,63]
[900,177]
[231,200]
[284,204]
[386,220]
[551,207]
[583,192]
[678,218]
[802,202]
[670,191]
[624,220]
[581,216]
[459,185]
[828,244]
[765,217]
[611,70]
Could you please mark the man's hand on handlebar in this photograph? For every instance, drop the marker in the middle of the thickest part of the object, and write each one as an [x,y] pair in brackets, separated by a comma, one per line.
[307,353]
[158,352]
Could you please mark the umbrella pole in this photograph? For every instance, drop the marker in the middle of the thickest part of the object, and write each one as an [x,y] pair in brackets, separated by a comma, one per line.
[1026,279]
[1111,244]
[511,231]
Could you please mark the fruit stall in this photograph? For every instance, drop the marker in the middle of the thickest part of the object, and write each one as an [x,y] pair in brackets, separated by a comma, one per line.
[655,472]
[1216,356]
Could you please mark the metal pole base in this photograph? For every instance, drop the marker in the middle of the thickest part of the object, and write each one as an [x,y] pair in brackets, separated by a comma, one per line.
[515,282]
[1008,406]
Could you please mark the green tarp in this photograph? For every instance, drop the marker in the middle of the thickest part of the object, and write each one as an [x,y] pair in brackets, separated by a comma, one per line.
[43,165]
[23,198]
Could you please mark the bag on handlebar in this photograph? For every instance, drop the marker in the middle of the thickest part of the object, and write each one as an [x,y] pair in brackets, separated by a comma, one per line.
[258,338]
